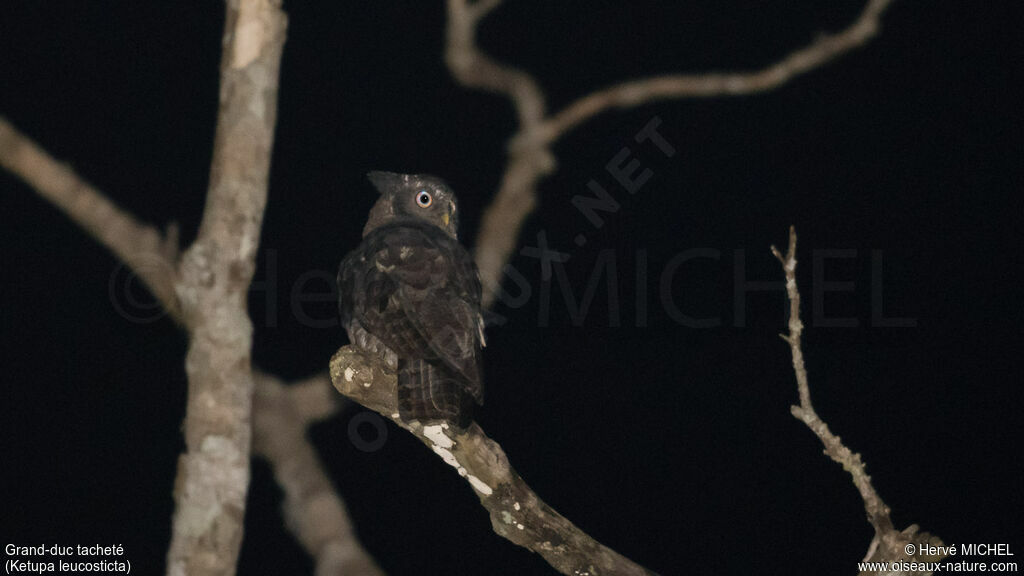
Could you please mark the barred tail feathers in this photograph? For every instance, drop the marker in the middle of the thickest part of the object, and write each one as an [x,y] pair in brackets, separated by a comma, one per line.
[430,392]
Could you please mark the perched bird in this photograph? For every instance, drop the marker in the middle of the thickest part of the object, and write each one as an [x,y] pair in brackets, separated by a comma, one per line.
[410,293]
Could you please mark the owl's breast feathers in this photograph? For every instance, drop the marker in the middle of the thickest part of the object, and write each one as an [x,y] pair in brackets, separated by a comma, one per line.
[414,288]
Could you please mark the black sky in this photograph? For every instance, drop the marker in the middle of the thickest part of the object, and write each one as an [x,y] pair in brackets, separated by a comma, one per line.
[899,164]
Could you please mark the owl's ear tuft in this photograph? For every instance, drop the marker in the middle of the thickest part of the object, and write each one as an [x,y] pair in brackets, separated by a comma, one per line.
[384,182]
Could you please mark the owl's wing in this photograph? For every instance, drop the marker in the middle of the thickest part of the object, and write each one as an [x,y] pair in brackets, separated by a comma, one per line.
[449,319]
[421,297]
[440,292]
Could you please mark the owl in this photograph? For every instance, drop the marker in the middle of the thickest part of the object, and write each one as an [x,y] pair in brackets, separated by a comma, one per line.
[410,295]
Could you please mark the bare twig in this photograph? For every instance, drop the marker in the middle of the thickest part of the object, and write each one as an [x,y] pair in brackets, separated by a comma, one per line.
[530,156]
[312,509]
[888,544]
[517,514]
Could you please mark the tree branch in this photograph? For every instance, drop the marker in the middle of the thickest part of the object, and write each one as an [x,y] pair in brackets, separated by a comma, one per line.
[150,255]
[638,92]
[312,509]
[888,544]
[529,159]
[517,513]
[530,156]
[213,280]
[472,68]
[312,399]
[132,241]
[290,455]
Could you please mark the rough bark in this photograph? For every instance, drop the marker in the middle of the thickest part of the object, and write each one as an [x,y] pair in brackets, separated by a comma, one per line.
[213,279]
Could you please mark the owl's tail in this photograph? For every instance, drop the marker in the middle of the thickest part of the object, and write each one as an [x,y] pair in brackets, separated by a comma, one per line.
[431,392]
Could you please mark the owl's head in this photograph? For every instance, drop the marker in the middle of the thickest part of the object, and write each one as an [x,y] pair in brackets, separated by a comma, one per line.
[419,196]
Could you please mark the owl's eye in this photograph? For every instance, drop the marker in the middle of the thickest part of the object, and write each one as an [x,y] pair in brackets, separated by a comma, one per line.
[424,199]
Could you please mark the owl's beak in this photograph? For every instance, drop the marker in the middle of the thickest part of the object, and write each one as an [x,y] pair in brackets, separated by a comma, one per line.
[445,218]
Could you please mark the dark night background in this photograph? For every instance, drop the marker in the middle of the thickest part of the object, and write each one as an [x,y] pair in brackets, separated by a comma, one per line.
[671,444]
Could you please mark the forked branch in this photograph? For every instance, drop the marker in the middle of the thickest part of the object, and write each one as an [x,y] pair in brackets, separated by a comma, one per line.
[205,294]
[529,149]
